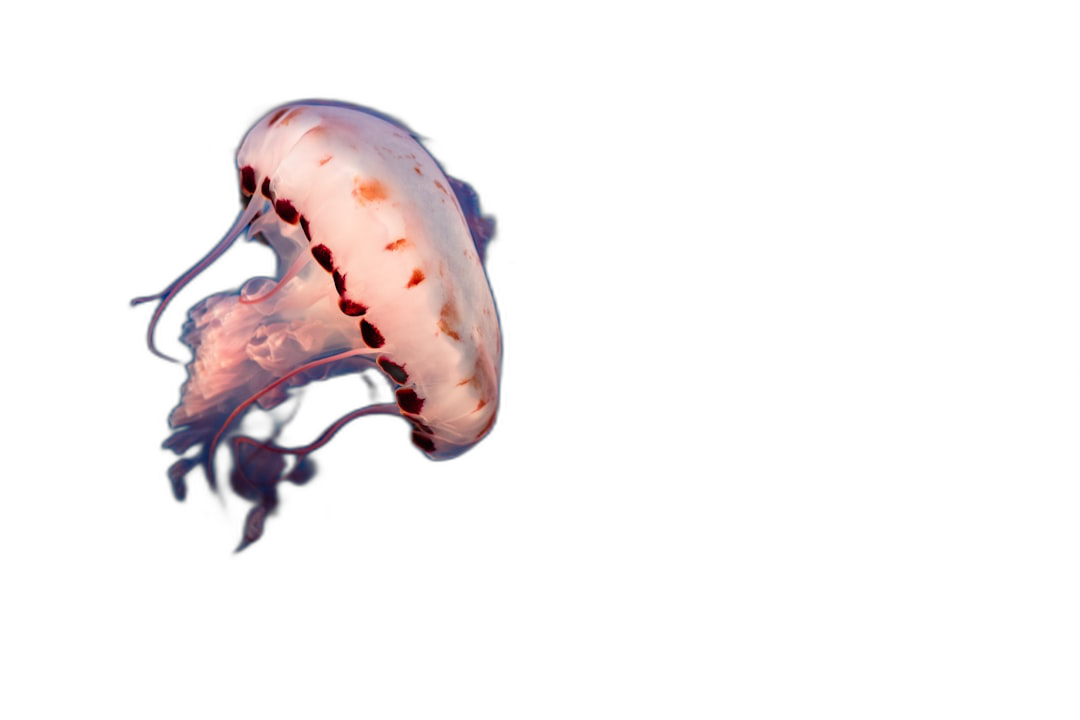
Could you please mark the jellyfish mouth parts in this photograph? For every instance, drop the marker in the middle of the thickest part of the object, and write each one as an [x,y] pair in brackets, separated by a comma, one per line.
[253,347]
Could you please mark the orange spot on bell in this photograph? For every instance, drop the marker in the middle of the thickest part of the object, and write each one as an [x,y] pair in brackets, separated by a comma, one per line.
[448,317]
[326,159]
[416,279]
[448,330]
[397,244]
[366,191]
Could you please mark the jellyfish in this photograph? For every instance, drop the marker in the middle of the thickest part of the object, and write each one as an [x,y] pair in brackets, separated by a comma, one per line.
[379,266]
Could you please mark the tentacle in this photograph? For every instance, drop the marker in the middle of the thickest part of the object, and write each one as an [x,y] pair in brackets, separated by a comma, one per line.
[255,522]
[277,383]
[301,261]
[259,468]
[166,295]
[380,409]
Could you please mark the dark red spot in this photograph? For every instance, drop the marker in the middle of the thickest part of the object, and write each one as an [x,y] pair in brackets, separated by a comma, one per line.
[416,279]
[480,405]
[441,187]
[339,283]
[286,211]
[397,244]
[371,334]
[277,115]
[351,308]
[423,442]
[266,189]
[323,256]
[247,180]
[396,372]
[416,169]
[304,226]
[408,401]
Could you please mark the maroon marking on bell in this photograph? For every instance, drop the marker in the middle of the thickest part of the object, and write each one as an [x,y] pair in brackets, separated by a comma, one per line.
[247,179]
[324,257]
[351,308]
[370,335]
[286,212]
[408,402]
[393,369]
[422,442]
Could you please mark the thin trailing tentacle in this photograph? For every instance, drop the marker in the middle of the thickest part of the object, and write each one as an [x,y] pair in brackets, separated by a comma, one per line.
[277,383]
[300,453]
[325,437]
[301,261]
[166,295]
[259,468]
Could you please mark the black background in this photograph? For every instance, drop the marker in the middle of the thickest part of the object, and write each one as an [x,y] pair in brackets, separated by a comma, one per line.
[517,506]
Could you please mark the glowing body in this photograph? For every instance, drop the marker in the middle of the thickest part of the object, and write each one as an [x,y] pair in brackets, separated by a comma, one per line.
[380,264]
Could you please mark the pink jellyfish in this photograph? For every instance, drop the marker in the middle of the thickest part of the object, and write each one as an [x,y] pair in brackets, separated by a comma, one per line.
[380,265]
